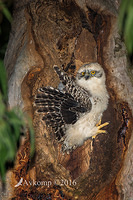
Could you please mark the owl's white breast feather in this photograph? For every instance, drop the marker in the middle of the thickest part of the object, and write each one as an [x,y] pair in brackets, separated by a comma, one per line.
[86,127]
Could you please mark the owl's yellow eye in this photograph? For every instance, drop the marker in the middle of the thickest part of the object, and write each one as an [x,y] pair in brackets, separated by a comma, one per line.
[93,72]
[83,73]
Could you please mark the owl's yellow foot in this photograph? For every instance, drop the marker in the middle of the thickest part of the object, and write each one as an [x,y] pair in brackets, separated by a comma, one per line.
[99,126]
[99,123]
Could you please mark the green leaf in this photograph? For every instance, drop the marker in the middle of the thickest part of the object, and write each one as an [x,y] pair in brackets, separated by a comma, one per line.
[7,139]
[128,32]
[126,23]
[15,122]
[2,167]
[2,107]
[5,11]
[3,81]
[122,14]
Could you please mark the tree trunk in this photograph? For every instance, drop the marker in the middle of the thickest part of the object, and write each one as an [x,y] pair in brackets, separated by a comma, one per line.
[70,33]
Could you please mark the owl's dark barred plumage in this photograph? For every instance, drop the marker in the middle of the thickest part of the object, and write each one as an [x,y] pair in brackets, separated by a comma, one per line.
[60,109]
[74,112]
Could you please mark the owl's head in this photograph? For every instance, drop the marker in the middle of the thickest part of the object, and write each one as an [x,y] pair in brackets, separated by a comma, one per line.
[90,76]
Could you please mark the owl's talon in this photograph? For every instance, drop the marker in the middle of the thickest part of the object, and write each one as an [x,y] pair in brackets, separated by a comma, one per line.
[99,129]
[99,123]
[102,125]
[93,137]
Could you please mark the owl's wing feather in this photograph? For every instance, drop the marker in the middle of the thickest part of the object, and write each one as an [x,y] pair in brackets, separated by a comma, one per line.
[60,109]
[70,86]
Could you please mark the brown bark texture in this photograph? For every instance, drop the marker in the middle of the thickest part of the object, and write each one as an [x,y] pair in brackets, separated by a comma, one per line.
[70,33]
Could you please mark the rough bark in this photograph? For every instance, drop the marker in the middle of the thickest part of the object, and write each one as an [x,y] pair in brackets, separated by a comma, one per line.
[70,33]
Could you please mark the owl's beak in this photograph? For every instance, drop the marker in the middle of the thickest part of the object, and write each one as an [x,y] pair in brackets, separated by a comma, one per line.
[87,76]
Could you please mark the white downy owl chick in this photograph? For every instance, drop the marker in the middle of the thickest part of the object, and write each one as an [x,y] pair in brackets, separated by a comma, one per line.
[75,113]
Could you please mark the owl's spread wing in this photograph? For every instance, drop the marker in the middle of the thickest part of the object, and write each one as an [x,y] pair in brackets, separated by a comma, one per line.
[78,93]
[60,109]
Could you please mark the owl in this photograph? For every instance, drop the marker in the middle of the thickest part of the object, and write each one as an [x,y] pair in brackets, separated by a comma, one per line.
[75,112]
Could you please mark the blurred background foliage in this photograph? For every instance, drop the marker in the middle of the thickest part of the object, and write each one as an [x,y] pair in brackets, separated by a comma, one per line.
[126,24]
[13,123]
[6,8]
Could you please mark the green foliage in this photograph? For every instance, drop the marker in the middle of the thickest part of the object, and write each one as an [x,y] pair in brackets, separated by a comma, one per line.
[5,11]
[12,122]
[5,25]
[10,126]
[126,23]
[3,81]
